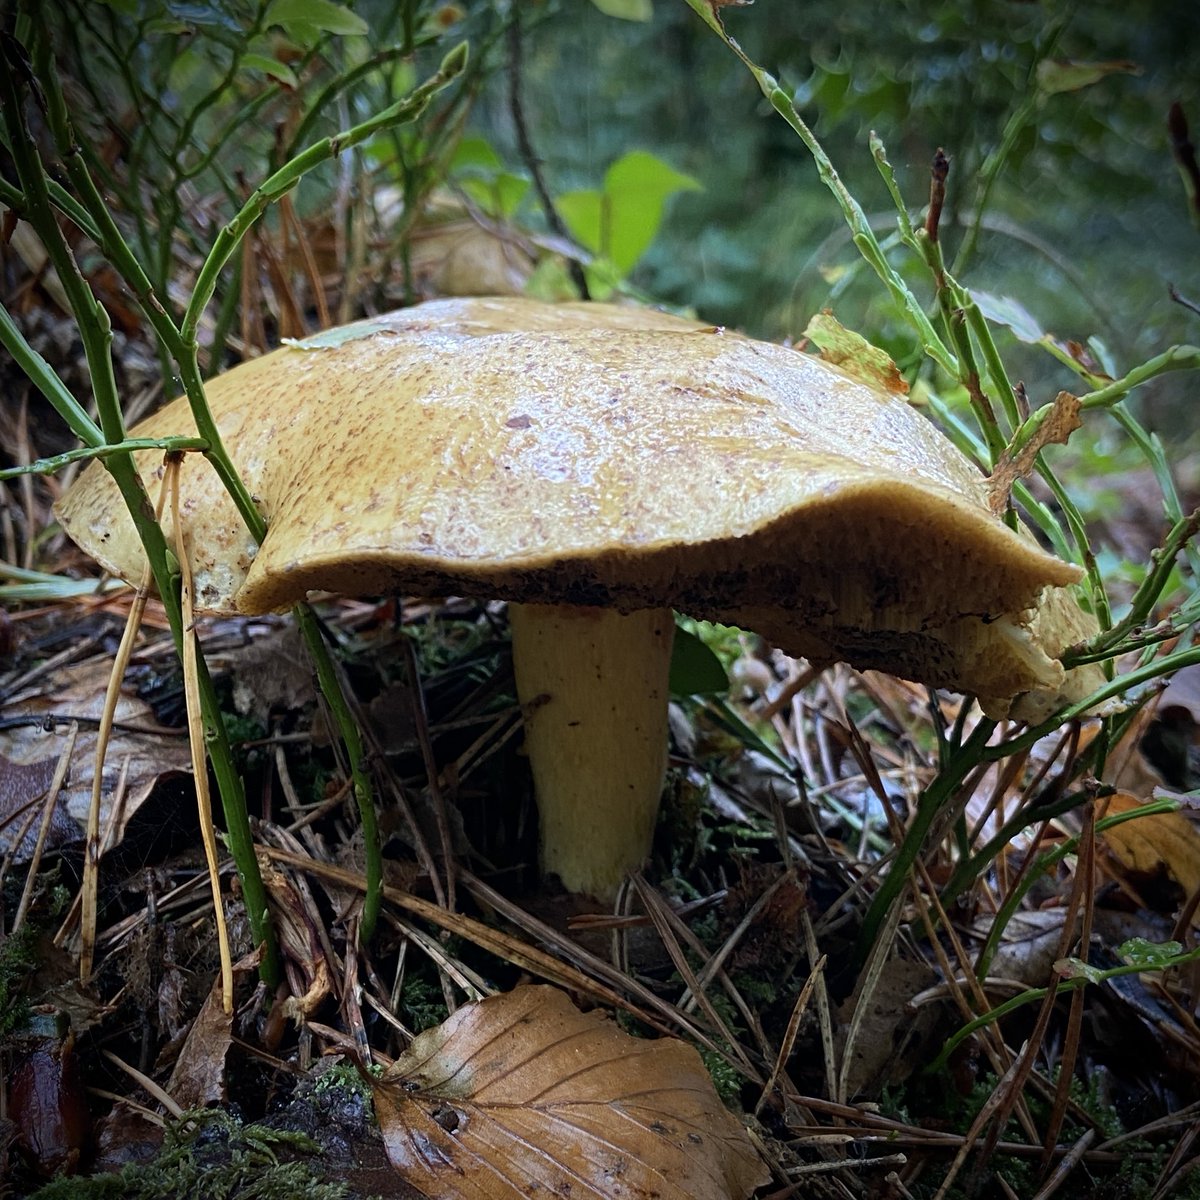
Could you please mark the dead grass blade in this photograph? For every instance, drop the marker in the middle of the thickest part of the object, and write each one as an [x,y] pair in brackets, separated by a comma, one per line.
[191,684]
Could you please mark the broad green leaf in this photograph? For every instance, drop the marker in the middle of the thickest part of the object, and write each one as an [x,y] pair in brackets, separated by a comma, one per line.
[475,152]
[626,10]
[620,222]
[324,15]
[499,196]
[582,213]
[636,188]
[1055,76]
[271,67]
[695,669]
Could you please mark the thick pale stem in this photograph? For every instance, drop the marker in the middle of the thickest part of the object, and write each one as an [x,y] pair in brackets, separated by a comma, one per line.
[594,687]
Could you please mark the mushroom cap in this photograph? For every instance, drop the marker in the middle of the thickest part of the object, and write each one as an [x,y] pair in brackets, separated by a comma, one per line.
[591,454]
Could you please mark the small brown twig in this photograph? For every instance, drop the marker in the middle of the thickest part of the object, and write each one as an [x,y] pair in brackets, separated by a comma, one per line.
[938,172]
[525,145]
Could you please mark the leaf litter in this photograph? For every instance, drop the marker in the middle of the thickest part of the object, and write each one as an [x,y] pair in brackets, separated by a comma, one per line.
[737,941]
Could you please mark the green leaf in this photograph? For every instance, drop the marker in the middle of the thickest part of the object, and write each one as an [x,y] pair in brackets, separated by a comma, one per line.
[626,10]
[1054,76]
[1141,952]
[1003,310]
[1076,968]
[270,67]
[331,339]
[475,152]
[317,14]
[499,196]
[695,669]
[620,222]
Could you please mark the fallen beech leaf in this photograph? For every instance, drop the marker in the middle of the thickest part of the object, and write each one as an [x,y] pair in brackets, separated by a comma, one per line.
[854,354]
[199,1075]
[198,1078]
[1060,422]
[140,753]
[522,1094]
[1161,841]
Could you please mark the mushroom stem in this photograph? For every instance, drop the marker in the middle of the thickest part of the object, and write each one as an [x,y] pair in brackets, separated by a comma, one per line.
[594,687]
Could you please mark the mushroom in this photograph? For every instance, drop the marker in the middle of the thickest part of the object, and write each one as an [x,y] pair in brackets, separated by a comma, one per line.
[598,466]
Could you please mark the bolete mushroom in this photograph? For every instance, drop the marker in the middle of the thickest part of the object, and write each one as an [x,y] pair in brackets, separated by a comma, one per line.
[598,466]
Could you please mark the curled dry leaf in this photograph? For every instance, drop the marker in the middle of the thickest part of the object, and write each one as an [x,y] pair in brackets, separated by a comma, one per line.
[853,353]
[1158,842]
[522,1093]
[1061,421]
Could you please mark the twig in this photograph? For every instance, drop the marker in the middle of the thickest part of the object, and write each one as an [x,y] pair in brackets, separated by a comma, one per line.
[525,145]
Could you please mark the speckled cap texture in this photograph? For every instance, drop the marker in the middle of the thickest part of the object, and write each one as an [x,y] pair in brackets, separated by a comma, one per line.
[593,454]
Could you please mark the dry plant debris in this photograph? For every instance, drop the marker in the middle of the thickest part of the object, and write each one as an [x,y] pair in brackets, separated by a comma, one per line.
[522,1092]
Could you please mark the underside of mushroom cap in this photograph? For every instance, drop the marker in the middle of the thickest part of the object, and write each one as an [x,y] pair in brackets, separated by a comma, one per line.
[598,455]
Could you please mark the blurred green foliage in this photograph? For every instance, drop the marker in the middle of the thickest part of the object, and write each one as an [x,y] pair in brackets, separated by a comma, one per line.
[1086,225]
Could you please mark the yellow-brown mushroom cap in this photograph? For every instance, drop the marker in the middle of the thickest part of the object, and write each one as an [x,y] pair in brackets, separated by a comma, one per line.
[591,454]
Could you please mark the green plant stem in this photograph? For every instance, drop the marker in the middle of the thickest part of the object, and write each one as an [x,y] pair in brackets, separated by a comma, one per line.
[969,869]
[286,178]
[860,226]
[47,466]
[1140,607]
[1070,983]
[352,739]
[933,800]
[1050,858]
[1174,358]
[96,334]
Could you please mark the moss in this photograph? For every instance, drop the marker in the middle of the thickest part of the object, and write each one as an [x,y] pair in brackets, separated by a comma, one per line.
[209,1155]
[18,960]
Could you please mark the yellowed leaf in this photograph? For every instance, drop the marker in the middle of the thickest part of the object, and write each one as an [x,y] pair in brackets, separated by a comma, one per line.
[1161,841]
[1061,421]
[854,354]
[522,1094]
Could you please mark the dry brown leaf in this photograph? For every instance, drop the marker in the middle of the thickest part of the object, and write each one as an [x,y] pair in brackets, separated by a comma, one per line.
[521,1094]
[140,752]
[854,354]
[198,1077]
[1161,841]
[1062,420]
[199,1074]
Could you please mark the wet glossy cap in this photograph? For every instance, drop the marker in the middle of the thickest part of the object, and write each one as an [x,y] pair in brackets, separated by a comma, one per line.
[599,455]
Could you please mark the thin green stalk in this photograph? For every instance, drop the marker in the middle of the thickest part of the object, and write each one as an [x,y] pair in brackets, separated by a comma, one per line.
[47,466]
[95,332]
[932,801]
[334,88]
[970,868]
[1050,858]
[46,380]
[1174,358]
[860,227]
[352,740]
[286,178]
